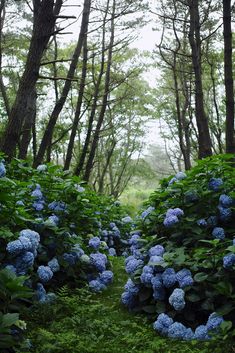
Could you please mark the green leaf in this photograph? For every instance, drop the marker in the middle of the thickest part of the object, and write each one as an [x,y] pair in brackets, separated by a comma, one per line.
[200,277]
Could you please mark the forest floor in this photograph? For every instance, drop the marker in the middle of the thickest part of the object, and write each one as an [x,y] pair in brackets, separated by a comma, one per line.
[81,322]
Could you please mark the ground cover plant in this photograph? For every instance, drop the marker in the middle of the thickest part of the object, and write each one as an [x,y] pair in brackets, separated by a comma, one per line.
[52,234]
[182,267]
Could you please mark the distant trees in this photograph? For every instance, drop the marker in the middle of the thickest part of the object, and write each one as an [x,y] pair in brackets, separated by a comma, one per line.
[190,53]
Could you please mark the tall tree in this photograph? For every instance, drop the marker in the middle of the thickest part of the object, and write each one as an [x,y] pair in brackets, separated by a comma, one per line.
[45,14]
[228,77]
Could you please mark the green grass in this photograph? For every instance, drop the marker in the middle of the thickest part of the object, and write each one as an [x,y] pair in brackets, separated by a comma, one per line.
[86,323]
[134,198]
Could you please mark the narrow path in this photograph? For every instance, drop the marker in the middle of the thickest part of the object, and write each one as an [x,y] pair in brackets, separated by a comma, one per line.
[97,323]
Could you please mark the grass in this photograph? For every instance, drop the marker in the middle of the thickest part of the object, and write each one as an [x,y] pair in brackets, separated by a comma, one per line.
[134,198]
[82,322]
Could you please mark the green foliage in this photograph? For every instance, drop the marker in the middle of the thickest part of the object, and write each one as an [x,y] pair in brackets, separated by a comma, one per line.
[192,246]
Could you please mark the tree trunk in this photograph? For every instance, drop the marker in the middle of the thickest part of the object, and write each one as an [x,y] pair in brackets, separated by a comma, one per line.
[45,13]
[228,77]
[204,139]
[82,158]
[104,101]
[28,123]
[47,137]
[78,108]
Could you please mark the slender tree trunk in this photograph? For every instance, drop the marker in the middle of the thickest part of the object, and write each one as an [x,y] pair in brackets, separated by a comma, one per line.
[78,108]
[104,171]
[27,127]
[2,86]
[45,13]
[204,139]
[228,77]
[84,152]
[47,137]
[104,101]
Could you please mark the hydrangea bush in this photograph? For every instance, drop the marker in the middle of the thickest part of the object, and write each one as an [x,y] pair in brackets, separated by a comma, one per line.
[183,274]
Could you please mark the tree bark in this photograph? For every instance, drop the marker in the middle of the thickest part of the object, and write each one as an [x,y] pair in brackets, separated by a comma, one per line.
[47,137]
[45,12]
[104,100]
[78,108]
[204,139]
[228,77]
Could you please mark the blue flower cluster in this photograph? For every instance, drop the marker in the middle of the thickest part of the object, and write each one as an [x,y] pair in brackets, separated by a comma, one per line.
[39,202]
[127,219]
[57,206]
[167,327]
[99,261]
[218,233]
[172,217]
[132,264]
[24,251]
[42,296]
[229,261]
[147,212]
[42,168]
[184,278]
[101,282]
[2,170]
[129,296]
[176,299]
[215,184]
[178,177]
[45,273]
[54,265]
[225,212]
[94,243]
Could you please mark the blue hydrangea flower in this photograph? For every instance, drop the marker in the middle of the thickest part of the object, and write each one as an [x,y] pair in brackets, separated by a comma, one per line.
[24,262]
[169,277]
[147,269]
[38,205]
[94,243]
[157,281]
[26,243]
[19,203]
[170,221]
[189,335]
[176,299]
[134,240]
[131,287]
[77,251]
[233,241]
[99,261]
[70,258]
[128,299]
[215,184]
[214,321]
[157,262]
[225,214]
[184,278]
[2,170]
[145,213]
[112,225]
[57,206]
[15,247]
[180,176]
[212,221]
[177,330]
[96,285]
[201,333]
[163,323]
[156,250]
[54,265]
[202,222]
[229,260]
[33,236]
[112,252]
[146,278]
[104,233]
[52,221]
[174,212]
[106,277]
[44,273]
[172,181]
[79,188]
[116,232]
[132,265]
[11,268]
[225,201]
[127,219]
[218,233]
[41,293]
[36,193]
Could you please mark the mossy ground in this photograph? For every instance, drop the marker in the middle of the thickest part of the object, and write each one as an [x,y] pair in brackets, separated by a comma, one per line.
[86,323]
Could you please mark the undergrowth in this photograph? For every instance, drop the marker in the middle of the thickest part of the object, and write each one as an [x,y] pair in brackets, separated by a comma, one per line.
[81,322]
